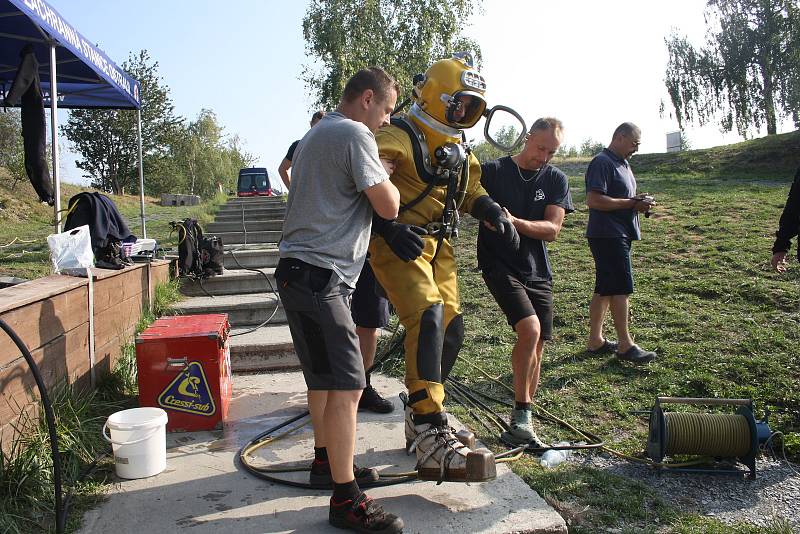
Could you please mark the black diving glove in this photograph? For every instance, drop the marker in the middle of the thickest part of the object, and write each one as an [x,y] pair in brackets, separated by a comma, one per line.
[486,209]
[403,239]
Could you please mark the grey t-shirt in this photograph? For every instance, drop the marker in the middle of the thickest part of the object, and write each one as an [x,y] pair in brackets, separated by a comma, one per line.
[611,175]
[328,218]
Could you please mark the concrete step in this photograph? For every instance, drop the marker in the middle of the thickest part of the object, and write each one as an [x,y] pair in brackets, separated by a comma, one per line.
[249,225]
[249,200]
[231,282]
[239,206]
[242,310]
[235,216]
[266,349]
[235,238]
[255,256]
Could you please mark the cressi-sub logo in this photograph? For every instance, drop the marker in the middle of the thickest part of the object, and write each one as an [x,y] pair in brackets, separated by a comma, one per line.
[189,392]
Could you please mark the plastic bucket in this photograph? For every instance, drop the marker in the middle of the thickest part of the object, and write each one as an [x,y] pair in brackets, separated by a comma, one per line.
[139,440]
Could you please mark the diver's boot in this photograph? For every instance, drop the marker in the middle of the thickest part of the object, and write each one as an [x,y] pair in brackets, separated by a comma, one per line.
[443,458]
[520,431]
[464,436]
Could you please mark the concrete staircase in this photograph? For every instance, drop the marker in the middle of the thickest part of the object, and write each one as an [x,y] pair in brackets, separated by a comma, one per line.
[250,229]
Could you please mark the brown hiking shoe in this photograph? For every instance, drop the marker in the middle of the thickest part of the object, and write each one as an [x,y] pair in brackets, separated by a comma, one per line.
[362,514]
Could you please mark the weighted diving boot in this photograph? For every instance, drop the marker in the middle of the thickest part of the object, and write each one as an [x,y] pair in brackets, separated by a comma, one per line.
[464,436]
[443,458]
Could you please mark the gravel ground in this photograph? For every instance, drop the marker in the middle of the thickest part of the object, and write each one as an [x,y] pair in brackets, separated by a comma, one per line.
[774,494]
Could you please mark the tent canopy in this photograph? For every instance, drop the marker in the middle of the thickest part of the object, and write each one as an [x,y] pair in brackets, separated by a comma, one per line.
[86,77]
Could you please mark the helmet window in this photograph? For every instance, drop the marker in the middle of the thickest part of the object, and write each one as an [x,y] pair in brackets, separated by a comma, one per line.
[465,109]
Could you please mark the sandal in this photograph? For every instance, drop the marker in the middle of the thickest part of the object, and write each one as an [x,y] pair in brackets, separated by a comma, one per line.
[608,347]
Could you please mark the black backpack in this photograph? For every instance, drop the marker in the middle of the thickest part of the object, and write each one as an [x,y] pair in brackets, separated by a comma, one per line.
[198,256]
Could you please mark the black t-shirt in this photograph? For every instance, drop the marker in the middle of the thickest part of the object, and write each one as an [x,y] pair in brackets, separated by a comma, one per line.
[290,152]
[525,194]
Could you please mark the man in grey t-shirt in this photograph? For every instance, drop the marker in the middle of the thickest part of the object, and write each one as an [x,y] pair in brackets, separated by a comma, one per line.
[337,182]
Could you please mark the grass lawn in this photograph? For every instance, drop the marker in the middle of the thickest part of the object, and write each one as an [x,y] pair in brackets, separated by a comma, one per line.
[706,301]
[30,222]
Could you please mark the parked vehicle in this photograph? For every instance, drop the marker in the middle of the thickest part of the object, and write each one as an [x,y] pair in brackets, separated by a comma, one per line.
[254,182]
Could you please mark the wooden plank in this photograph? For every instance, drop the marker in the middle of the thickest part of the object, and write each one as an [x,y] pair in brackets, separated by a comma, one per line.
[120,286]
[117,321]
[42,288]
[64,357]
[40,322]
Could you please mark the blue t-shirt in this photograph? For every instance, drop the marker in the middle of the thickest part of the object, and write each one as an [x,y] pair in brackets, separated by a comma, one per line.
[612,176]
[525,194]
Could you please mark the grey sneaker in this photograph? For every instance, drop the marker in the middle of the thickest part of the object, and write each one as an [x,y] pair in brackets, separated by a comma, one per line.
[521,431]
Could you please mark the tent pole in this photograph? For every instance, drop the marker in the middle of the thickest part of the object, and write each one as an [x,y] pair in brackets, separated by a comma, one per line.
[141,170]
[54,137]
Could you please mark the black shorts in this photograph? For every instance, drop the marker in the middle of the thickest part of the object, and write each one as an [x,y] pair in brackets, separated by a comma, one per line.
[612,264]
[519,299]
[317,306]
[369,308]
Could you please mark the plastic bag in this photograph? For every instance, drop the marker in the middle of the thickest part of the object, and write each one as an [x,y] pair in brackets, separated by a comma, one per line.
[71,250]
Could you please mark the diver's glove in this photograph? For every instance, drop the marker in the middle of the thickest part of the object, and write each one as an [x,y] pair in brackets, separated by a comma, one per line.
[403,239]
[486,209]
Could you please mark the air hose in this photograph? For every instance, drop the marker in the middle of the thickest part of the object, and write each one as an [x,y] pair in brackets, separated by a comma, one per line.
[259,271]
[60,510]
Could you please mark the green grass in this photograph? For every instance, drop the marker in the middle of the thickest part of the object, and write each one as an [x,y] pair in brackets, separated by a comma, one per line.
[26,485]
[723,324]
[28,221]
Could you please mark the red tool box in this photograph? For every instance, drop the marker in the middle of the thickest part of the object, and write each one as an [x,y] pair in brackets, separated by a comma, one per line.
[184,367]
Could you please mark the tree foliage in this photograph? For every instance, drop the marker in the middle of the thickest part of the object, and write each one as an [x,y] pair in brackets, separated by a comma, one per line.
[12,156]
[106,139]
[402,36]
[485,151]
[178,157]
[747,74]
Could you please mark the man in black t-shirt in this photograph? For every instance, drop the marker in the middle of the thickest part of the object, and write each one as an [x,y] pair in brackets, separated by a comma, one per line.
[535,198]
[788,227]
[283,168]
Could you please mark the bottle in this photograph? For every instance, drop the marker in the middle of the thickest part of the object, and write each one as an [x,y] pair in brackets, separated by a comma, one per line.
[553,457]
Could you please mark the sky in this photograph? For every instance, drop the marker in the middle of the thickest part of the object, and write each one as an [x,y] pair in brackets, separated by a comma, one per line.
[591,64]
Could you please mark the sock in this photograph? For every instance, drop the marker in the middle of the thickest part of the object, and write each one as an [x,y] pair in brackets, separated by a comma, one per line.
[345,492]
[367,375]
[320,454]
[522,405]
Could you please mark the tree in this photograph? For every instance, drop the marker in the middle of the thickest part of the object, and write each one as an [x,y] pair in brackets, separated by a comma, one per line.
[589,147]
[402,36]
[12,155]
[746,75]
[488,152]
[106,139]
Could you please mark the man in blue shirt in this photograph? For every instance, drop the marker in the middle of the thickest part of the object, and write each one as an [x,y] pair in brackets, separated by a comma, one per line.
[535,198]
[614,208]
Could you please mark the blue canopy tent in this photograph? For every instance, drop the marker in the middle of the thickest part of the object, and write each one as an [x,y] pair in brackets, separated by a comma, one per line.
[78,72]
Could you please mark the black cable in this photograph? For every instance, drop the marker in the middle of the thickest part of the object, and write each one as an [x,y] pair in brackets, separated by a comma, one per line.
[61,512]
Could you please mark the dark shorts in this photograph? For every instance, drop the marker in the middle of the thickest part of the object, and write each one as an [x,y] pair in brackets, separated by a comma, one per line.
[519,299]
[317,306]
[612,263]
[369,308]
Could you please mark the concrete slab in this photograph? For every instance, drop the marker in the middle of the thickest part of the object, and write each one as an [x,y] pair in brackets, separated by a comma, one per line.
[266,349]
[230,282]
[203,492]
[242,310]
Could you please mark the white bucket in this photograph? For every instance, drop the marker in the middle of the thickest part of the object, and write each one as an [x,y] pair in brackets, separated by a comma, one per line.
[139,440]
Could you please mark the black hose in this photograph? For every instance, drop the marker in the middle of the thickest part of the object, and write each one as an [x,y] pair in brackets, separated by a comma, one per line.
[61,512]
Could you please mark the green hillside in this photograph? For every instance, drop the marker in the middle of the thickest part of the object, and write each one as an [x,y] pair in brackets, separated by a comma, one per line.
[773,157]
[25,224]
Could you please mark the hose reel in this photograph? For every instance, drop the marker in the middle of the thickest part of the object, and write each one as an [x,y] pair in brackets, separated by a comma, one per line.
[729,437]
